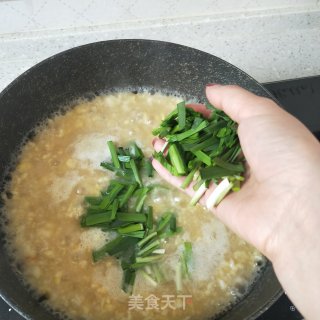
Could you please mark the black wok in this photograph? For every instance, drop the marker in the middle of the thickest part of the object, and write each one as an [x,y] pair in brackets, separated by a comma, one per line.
[103,67]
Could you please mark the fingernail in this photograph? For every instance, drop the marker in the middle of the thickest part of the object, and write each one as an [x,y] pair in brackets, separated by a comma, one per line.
[213,85]
[151,159]
[153,141]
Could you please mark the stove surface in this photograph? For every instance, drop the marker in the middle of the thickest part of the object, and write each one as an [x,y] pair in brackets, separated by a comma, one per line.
[300,97]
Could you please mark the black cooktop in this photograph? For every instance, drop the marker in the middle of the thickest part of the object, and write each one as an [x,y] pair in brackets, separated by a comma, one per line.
[300,97]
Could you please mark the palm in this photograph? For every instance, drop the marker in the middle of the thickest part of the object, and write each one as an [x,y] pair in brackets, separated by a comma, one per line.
[270,141]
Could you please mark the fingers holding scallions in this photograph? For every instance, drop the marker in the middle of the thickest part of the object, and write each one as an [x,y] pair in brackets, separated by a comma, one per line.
[199,143]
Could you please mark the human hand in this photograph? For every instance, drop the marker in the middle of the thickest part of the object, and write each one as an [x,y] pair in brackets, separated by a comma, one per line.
[276,209]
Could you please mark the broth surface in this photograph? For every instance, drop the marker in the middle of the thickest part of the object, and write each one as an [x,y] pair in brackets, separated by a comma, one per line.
[58,168]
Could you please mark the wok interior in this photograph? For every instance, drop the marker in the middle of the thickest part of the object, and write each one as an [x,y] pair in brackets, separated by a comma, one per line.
[100,68]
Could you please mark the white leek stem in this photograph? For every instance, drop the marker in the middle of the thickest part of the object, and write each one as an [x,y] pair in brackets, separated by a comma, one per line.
[148,278]
[219,193]
[164,147]
[159,251]
[199,193]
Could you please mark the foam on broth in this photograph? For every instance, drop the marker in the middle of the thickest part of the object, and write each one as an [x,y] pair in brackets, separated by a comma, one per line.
[58,167]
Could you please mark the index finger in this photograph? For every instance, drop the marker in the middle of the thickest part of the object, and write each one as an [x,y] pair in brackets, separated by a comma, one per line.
[239,103]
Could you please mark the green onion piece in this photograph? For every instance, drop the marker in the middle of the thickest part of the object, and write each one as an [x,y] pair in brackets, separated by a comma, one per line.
[98,218]
[94,210]
[229,166]
[127,195]
[131,217]
[93,200]
[219,193]
[186,259]
[113,247]
[176,159]
[149,217]
[202,145]
[113,152]
[198,183]
[202,157]
[135,171]
[164,221]
[215,172]
[157,273]
[188,133]
[159,156]
[189,178]
[149,168]
[149,259]
[142,242]
[108,166]
[159,251]
[141,198]
[131,228]
[149,278]
[135,234]
[181,114]
[236,185]
[199,193]
[169,233]
[114,209]
[173,223]
[151,246]
[106,201]
[124,158]
[164,147]
[135,152]
[129,276]
[171,116]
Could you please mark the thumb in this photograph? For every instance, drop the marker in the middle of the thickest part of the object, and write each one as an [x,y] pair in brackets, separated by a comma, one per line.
[239,103]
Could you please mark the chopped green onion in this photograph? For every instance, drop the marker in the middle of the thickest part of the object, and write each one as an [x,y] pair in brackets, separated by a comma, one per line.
[131,217]
[147,239]
[188,133]
[181,114]
[189,178]
[229,166]
[159,251]
[113,247]
[148,259]
[199,193]
[202,157]
[98,218]
[113,152]
[219,193]
[149,217]
[93,200]
[131,228]
[164,221]
[215,172]
[135,234]
[149,247]
[186,259]
[129,276]
[114,209]
[135,171]
[141,198]
[106,201]
[124,158]
[177,159]
[127,195]
[149,168]
[149,278]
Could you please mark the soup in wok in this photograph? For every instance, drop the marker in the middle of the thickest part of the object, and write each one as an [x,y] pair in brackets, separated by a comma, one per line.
[63,253]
